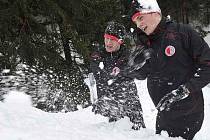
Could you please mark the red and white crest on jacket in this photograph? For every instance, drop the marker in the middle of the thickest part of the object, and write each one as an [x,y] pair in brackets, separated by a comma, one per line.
[170,50]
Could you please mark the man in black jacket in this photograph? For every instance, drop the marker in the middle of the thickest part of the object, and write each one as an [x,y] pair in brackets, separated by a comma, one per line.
[117,98]
[177,71]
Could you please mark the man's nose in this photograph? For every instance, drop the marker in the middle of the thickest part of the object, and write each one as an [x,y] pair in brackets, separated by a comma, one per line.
[140,25]
[108,41]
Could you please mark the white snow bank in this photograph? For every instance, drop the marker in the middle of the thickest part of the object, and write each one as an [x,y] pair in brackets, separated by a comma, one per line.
[20,121]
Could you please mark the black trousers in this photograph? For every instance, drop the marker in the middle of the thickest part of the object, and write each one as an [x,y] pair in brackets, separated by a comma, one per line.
[185,126]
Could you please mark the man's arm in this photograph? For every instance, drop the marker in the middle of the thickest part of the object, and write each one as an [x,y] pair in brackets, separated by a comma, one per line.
[200,52]
[201,57]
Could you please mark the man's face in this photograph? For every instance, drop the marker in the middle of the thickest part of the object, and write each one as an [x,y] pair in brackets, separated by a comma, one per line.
[146,22]
[111,45]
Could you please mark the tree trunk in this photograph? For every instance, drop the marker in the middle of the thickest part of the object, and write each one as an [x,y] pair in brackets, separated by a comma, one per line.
[187,13]
[184,12]
[208,15]
[66,45]
[67,51]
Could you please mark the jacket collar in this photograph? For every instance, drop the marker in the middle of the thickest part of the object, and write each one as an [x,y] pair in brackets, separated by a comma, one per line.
[160,29]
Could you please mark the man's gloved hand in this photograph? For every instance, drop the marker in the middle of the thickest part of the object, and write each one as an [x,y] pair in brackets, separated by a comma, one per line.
[138,57]
[169,99]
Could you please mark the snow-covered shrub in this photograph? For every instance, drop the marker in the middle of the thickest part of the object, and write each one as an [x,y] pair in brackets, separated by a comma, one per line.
[51,90]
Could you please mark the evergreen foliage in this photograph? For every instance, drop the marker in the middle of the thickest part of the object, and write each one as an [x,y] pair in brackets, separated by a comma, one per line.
[187,11]
[37,33]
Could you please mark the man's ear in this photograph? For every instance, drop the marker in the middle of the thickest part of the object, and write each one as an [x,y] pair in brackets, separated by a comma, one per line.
[160,14]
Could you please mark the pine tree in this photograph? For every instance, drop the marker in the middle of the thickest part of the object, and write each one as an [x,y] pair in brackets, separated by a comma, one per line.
[31,33]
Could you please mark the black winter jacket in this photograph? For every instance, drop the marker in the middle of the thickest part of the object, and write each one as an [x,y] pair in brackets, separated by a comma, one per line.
[122,94]
[108,61]
[180,56]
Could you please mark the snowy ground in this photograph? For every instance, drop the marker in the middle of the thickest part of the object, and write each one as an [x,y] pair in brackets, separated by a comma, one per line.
[20,121]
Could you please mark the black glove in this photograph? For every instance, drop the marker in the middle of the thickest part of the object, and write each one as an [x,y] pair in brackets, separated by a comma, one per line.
[144,55]
[138,57]
[169,99]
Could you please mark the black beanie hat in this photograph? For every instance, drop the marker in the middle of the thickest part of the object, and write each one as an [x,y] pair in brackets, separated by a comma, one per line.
[116,29]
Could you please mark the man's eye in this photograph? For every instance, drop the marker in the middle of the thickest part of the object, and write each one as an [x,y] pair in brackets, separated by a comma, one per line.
[139,18]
